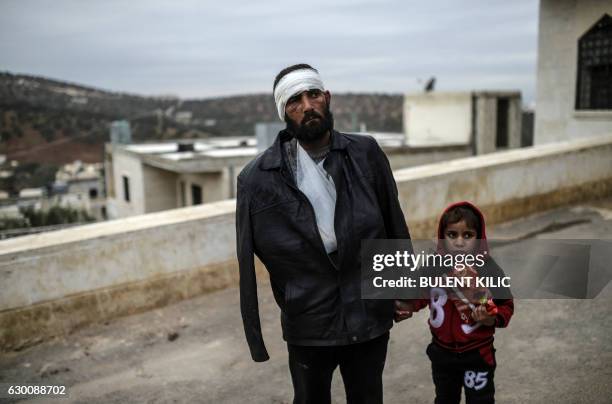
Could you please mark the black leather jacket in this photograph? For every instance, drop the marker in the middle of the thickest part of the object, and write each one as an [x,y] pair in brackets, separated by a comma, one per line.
[320,300]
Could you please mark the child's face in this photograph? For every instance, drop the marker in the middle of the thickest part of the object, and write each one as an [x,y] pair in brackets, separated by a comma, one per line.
[459,238]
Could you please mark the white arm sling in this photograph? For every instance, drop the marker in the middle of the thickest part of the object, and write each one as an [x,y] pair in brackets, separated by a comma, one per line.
[319,188]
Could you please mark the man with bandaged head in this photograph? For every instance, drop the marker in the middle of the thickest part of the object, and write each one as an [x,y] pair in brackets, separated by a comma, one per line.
[303,207]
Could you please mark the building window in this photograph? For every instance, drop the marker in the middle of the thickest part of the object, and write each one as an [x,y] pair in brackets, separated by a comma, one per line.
[93,193]
[196,194]
[501,135]
[126,188]
[594,81]
[183,191]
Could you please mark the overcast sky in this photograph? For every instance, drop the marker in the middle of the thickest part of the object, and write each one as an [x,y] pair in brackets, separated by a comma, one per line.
[197,49]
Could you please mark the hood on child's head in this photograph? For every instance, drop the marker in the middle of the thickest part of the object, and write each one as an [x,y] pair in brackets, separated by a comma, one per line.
[483,248]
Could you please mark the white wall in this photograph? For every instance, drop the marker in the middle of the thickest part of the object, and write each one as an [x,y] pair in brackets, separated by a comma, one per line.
[562,23]
[130,166]
[411,157]
[62,263]
[502,177]
[435,119]
[442,119]
[159,189]
[215,187]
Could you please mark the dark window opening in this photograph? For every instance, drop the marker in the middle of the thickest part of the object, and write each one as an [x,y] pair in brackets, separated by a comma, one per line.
[196,194]
[126,188]
[93,193]
[183,199]
[594,81]
[527,129]
[501,137]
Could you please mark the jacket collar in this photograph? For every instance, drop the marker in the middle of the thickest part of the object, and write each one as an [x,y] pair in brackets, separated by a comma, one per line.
[273,156]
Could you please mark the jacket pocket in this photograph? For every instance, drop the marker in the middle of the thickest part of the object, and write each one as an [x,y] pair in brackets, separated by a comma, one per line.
[280,203]
[294,305]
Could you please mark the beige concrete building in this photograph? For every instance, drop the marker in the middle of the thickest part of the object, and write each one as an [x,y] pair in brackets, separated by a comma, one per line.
[485,120]
[574,79]
[152,177]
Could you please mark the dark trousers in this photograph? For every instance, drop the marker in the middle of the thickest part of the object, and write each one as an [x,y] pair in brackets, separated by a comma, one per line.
[361,366]
[451,371]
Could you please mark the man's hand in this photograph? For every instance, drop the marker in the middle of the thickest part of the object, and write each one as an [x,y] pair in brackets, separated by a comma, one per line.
[403,310]
[480,314]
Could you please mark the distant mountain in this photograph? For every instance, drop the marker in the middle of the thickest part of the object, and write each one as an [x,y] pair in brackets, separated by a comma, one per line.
[54,122]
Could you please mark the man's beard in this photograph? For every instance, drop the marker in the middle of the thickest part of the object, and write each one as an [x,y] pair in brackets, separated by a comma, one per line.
[309,131]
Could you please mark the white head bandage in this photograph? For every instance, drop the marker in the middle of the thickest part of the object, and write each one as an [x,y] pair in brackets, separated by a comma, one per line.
[294,83]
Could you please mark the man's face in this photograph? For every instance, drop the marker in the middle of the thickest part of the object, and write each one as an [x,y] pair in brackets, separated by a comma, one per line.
[308,115]
[459,238]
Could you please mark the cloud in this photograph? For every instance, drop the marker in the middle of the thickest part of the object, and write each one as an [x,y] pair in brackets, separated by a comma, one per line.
[208,48]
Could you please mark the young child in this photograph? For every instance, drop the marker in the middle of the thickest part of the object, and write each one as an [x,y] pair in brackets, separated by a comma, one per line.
[463,321]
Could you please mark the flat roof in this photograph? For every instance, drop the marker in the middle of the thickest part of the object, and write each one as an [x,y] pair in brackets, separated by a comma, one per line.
[233,152]
[210,154]
[159,148]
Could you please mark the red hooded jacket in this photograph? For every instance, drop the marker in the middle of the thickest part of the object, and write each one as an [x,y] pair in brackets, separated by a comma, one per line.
[445,323]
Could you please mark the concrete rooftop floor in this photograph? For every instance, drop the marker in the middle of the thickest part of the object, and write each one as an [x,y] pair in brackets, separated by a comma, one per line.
[194,351]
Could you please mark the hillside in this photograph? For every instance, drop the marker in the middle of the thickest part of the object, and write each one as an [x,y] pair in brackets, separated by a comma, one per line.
[54,122]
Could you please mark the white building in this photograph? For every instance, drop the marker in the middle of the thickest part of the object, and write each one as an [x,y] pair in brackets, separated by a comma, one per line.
[151,177]
[486,120]
[574,81]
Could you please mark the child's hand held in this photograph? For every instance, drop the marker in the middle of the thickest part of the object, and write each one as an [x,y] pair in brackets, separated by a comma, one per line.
[403,310]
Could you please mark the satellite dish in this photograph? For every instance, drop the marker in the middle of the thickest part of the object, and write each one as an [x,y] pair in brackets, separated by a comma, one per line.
[431,83]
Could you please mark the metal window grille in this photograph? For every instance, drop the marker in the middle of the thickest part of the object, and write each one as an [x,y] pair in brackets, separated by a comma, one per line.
[594,82]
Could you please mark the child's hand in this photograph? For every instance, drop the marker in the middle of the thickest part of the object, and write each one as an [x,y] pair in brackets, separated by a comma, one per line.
[481,315]
[403,310]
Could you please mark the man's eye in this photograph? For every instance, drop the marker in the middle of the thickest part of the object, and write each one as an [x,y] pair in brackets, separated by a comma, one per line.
[314,93]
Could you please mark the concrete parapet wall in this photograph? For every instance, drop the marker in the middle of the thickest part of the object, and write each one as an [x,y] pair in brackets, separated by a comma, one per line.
[404,157]
[508,185]
[55,282]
